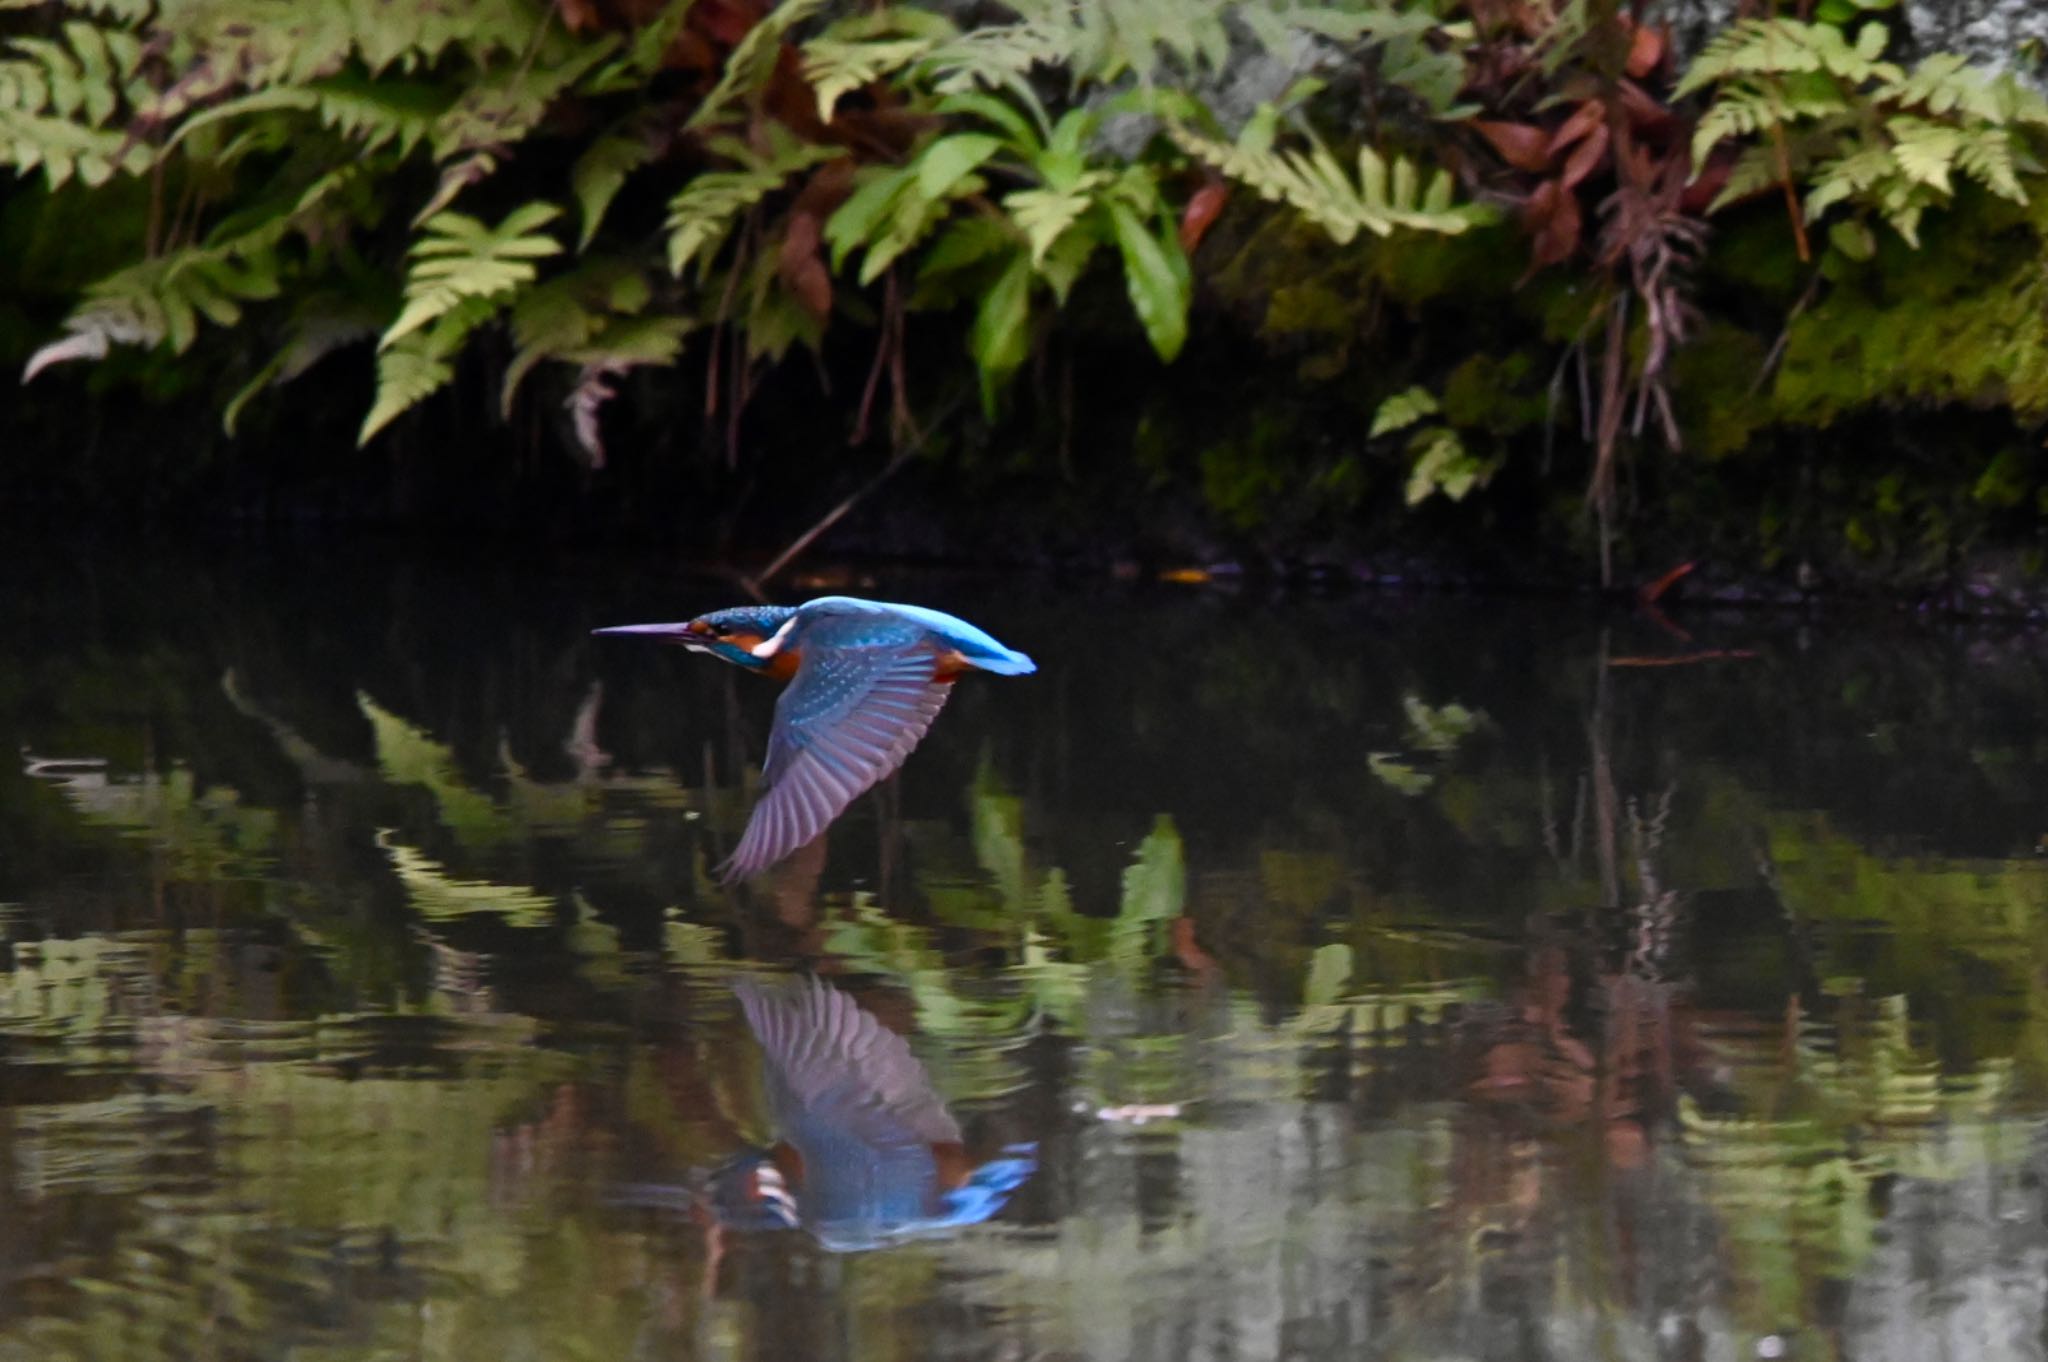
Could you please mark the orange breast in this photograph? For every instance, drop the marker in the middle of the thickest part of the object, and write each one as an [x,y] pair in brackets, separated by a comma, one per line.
[950,664]
[783,665]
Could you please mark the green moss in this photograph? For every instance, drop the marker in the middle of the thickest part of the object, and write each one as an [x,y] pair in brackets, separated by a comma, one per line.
[1500,394]
[1963,320]
[1714,379]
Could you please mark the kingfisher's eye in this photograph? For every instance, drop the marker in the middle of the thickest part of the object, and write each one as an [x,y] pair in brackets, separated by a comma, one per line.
[718,630]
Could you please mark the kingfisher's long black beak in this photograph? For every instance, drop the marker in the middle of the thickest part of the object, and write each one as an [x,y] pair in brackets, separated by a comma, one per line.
[678,632]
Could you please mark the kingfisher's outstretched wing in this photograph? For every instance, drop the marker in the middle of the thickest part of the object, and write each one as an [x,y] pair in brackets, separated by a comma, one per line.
[863,695]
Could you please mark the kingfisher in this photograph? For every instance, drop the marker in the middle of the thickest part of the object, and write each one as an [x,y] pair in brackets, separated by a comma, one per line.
[864,1153]
[866,679]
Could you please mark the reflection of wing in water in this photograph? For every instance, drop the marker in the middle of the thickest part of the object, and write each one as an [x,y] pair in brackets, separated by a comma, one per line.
[877,1155]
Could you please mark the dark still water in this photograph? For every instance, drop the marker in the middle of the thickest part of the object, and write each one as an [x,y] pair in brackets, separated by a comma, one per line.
[1264,978]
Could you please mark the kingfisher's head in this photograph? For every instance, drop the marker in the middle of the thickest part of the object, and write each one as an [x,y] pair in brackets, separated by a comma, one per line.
[731,634]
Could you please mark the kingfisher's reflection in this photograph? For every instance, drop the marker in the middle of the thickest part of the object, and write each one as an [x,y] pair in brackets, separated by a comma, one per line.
[866,1153]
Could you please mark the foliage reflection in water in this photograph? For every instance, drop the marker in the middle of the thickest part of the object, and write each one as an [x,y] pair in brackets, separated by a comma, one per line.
[1390,980]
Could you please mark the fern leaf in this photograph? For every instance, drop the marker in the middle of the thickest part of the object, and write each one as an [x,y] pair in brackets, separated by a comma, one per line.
[644,54]
[60,103]
[93,330]
[1382,199]
[949,268]
[162,300]
[1066,260]
[1986,157]
[1401,411]
[422,362]
[860,51]
[459,258]
[1778,47]
[997,57]
[1443,464]
[894,209]
[600,172]
[1043,214]
[703,213]
[563,318]
[753,60]
[1923,150]
[504,106]
[1847,176]
[1946,82]
[379,113]
[323,324]
[1001,335]
[1755,170]
[1157,277]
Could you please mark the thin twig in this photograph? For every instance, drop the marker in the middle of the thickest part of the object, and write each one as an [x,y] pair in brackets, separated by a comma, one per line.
[1777,350]
[832,517]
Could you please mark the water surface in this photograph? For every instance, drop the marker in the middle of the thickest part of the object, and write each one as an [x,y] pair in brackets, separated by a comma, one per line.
[1371,977]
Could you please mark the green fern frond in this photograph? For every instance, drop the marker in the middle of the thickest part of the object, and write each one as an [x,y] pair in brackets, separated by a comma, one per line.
[1444,465]
[163,300]
[753,60]
[601,171]
[864,48]
[894,209]
[1987,158]
[1385,196]
[1778,47]
[590,316]
[60,103]
[322,324]
[459,258]
[644,53]
[1044,214]
[1924,150]
[422,363]
[1946,82]
[997,57]
[700,217]
[376,113]
[1847,176]
[1756,169]
[505,105]
[1402,410]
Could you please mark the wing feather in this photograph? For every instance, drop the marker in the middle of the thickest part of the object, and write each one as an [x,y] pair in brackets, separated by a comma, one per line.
[852,714]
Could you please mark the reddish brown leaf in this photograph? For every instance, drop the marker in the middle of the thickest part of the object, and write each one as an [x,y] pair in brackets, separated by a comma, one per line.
[1588,116]
[1521,145]
[1645,50]
[1645,111]
[1551,217]
[826,188]
[803,273]
[1586,157]
[1201,213]
[790,98]
[726,21]
[579,16]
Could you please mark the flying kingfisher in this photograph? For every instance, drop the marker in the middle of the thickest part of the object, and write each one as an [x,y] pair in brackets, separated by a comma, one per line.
[866,678]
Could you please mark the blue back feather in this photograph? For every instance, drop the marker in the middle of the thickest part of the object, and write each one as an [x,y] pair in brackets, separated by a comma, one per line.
[977,645]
